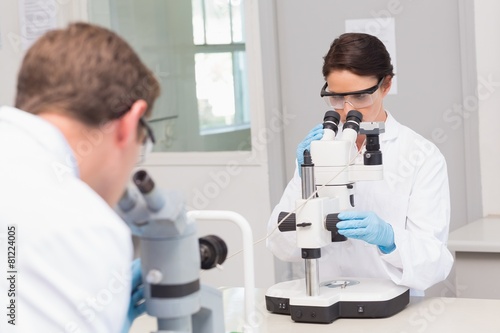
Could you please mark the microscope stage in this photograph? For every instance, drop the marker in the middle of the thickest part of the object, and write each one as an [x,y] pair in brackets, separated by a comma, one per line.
[341,298]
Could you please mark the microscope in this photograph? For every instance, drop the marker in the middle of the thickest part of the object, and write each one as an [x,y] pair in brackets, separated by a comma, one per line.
[328,174]
[171,258]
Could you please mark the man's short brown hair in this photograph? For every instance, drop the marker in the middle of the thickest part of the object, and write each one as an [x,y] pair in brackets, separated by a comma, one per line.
[85,71]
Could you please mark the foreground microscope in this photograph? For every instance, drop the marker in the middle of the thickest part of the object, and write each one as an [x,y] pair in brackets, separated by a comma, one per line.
[171,257]
[328,188]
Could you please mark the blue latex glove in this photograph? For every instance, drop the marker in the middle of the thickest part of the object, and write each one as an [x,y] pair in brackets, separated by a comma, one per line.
[369,227]
[315,134]
[137,305]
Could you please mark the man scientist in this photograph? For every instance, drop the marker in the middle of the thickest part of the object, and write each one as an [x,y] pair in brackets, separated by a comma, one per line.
[67,150]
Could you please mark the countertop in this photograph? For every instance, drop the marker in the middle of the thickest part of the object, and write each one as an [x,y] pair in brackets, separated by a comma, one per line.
[422,315]
[482,235]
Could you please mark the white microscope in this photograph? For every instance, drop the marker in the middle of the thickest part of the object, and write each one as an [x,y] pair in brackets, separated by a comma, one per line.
[328,188]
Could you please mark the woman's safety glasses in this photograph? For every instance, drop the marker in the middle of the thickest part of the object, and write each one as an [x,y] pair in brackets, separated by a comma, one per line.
[357,99]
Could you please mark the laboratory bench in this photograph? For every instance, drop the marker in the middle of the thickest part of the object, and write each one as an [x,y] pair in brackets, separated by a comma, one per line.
[422,315]
[476,247]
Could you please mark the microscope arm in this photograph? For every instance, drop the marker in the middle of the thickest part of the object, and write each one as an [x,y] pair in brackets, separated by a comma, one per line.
[248,259]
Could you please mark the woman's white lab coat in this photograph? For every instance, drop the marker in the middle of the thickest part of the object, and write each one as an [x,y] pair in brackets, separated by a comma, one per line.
[73,252]
[413,197]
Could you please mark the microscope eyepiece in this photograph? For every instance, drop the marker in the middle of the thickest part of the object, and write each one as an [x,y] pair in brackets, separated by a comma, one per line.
[353,120]
[144,183]
[331,120]
[354,115]
[146,186]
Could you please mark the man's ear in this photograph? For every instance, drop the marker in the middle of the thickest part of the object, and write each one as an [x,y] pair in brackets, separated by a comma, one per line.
[128,124]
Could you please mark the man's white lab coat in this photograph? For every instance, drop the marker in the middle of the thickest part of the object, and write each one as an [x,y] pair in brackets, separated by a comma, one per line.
[413,197]
[73,253]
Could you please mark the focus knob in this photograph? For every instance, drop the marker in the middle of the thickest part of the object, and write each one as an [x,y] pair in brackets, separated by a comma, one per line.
[331,225]
[288,224]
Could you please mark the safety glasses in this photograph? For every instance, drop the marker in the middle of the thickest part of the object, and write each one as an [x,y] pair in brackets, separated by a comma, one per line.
[148,141]
[357,99]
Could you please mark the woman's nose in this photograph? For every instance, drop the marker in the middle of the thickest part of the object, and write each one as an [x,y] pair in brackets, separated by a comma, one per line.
[348,106]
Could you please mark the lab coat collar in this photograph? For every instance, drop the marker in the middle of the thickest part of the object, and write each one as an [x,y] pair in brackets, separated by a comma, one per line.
[391,128]
[44,133]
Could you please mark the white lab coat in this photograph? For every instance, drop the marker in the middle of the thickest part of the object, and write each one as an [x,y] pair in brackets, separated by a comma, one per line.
[413,197]
[73,252]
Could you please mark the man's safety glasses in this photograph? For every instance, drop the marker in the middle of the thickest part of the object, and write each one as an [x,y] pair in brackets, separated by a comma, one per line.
[357,99]
[148,141]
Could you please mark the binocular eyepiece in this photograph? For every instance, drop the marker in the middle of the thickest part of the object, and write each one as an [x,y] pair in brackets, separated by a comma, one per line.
[372,155]
[331,120]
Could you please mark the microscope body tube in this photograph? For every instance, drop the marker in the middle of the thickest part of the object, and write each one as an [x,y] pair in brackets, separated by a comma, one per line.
[333,161]
[328,135]
[343,192]
[331,158]
[171,268]
[154,200]
[177,325]
[349,135]
[127,201]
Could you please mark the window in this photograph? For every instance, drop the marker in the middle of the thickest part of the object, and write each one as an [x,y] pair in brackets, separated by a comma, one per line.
[220,65]
[197,51]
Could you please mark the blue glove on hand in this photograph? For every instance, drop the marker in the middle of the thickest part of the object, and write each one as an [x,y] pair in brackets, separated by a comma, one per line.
[369,227]
[137,305]
[315,134]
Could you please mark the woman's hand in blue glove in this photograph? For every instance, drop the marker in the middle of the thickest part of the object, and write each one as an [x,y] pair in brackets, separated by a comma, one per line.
[369,227]
[137,306]
[315,134]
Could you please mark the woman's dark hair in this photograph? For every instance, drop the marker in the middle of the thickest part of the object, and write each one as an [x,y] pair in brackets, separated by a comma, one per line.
[359,53]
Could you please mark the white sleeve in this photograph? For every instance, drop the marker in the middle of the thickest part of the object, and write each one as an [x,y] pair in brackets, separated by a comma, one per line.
[75,279]
[283,244]
[421,258]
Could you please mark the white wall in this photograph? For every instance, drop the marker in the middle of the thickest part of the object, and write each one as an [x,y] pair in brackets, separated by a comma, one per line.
[12,50]
[10,55]
[488,70]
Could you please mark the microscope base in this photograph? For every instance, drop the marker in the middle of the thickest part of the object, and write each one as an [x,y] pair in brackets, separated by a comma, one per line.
[341,298]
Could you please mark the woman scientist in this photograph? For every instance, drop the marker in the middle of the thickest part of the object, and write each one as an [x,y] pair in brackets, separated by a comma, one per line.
[399,226]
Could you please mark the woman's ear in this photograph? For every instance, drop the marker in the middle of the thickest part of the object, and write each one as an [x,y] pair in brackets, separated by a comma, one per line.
[129,123]
[386,85]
